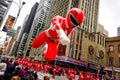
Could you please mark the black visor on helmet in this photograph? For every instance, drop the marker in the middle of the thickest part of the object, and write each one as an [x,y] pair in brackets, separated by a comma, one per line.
[73,20]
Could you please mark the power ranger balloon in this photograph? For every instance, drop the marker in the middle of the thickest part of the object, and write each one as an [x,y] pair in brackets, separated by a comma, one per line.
[58,33]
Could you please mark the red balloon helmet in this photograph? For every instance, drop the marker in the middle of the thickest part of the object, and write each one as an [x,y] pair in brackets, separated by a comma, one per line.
[74,17]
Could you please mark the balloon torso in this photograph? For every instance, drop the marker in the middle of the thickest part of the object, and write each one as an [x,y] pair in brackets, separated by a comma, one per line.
[52,30]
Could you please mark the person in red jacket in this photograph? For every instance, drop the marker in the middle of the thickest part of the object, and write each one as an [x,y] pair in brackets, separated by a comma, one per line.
[87,76]
[81,76]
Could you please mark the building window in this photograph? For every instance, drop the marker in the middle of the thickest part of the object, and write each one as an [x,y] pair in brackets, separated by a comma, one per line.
[91,50]
[98,40]
[119,48]
[70,53]
[76,51]
[61,51]
[111,48]
[110,61]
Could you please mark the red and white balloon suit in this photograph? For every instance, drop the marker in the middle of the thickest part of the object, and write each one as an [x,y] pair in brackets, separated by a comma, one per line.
[58,32]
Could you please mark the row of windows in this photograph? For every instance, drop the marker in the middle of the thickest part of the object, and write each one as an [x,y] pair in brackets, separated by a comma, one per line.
[101,40]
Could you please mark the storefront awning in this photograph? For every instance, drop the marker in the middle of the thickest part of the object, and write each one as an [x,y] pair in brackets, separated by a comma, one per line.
[112,69]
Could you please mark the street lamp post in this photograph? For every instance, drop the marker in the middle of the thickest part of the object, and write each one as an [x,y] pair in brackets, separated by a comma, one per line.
[98,62]
[19,10]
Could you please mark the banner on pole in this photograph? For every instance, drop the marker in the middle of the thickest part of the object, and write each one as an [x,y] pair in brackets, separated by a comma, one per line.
[9,23]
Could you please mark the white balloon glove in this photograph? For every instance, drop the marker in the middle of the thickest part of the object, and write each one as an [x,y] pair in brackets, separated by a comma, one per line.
[64,40]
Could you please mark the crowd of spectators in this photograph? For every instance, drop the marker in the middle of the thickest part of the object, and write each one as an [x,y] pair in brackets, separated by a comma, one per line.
[11,70]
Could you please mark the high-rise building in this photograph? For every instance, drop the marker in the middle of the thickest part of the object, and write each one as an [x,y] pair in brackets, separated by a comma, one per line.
[4,7]
[118,31]
[102,30]
[11,49]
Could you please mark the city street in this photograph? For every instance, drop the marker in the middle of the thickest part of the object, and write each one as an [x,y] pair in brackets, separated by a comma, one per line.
[60,39]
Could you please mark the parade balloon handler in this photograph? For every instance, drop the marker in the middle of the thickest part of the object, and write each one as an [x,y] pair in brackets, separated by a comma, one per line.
[58,32]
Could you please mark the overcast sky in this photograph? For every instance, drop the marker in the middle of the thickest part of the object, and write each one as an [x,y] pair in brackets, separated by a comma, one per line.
[109,15]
